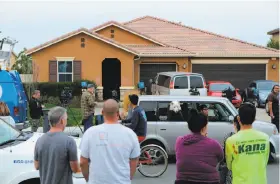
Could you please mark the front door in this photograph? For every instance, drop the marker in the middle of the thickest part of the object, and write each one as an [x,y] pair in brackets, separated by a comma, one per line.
[171,125]
[111,78]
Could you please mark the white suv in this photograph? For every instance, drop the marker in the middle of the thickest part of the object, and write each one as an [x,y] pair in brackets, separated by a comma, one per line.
[178,83]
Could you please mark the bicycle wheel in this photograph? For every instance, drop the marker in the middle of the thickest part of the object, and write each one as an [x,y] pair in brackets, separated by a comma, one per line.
[153,161]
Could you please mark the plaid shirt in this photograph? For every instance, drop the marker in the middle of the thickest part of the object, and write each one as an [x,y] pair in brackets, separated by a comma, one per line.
[87,104]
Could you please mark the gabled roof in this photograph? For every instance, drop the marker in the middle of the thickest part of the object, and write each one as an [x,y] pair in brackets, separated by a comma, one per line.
[73,33]
[204,43]
[274,31]
[123,27]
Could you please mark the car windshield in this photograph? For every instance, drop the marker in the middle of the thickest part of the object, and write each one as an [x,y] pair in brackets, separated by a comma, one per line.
[221,87]
[7,132]
[266,85]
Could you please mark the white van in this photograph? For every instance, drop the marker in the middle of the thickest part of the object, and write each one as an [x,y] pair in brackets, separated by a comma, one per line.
[178,83]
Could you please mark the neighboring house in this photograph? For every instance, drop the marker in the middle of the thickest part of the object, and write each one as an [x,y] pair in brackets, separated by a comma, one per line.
[118,55]
[13,59]
[274,34]
[4,55]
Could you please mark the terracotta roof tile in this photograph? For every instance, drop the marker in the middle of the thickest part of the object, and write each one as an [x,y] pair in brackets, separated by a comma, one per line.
[203,43]
[154,50]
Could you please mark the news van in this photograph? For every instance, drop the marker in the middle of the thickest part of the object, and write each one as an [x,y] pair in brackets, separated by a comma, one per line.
[13,94]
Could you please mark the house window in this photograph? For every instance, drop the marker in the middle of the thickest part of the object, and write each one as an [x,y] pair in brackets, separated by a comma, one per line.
[112,31]
[65,71]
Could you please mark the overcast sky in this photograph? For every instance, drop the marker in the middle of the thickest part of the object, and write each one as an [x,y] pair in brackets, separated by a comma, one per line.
[33,23]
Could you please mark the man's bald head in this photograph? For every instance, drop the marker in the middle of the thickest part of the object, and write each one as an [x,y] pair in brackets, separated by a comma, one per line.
[110,109]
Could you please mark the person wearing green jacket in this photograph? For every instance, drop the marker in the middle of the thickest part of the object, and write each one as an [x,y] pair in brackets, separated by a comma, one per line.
[247,151]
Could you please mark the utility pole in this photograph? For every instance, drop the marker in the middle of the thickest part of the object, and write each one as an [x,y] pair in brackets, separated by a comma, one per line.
[6,55]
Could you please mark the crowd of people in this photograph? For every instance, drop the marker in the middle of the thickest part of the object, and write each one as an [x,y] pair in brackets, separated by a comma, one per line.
[110,152]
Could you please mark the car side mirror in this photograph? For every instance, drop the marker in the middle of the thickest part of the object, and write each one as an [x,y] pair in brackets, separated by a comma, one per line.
[230,118]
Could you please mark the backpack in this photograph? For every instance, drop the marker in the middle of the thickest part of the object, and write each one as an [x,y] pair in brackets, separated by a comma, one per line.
[267,107]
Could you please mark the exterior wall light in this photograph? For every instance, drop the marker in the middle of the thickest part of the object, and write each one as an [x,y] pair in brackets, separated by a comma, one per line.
[274,66]
[184,65]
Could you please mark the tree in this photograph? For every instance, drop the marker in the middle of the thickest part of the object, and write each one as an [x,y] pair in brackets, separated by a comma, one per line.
[273,44]
[23,63]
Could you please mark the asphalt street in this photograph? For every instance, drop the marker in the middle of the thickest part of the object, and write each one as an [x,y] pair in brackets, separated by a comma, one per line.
[169,176]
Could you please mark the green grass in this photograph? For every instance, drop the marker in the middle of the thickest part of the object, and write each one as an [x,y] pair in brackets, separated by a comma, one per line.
[74,115]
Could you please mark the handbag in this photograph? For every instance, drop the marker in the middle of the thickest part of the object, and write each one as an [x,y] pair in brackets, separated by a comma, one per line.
[223,172]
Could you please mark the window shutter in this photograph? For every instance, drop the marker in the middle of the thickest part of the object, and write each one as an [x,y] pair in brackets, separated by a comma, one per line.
[52,71]
[77,70]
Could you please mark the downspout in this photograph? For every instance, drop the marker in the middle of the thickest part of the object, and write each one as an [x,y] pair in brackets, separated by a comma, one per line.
[136,58]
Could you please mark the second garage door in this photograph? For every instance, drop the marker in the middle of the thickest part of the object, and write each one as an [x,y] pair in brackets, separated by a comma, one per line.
[149,71]
[238,74]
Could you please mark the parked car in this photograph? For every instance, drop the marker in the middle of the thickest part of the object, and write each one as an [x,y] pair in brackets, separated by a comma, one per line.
[13,94]
[17,156]
[216,88]
[164,126]
[178,83]
[263,87]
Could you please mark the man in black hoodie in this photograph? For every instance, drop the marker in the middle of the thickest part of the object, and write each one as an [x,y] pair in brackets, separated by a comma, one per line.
[35,108]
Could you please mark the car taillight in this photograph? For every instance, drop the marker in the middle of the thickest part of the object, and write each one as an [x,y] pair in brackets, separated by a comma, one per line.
[171,85]
[16,111]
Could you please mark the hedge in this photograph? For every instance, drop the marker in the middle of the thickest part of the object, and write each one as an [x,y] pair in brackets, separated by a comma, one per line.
[53,89]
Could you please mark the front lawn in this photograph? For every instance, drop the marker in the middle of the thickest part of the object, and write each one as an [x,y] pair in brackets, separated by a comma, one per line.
[74,115]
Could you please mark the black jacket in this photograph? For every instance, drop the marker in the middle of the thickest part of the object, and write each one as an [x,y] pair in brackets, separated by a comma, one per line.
[35,108]
[137,122]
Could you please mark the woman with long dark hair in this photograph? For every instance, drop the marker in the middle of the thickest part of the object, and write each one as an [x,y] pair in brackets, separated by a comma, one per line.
[197,155]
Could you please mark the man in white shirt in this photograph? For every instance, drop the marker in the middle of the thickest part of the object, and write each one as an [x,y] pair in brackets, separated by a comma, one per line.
[109,152]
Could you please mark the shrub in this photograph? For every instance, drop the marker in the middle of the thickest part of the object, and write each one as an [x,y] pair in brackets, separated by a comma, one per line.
[54,88]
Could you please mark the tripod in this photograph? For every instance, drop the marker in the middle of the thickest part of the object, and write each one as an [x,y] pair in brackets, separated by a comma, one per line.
[66,105]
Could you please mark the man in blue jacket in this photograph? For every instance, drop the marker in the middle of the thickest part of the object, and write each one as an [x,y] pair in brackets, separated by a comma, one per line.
[138,120]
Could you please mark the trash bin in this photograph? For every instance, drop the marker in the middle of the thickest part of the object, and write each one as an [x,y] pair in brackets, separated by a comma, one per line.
[46,125]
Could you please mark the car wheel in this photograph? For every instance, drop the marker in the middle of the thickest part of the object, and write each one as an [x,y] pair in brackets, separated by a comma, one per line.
[272,154]
[31,181]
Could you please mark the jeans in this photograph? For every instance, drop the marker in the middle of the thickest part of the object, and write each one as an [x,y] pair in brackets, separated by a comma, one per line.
[88,122]
[275,121]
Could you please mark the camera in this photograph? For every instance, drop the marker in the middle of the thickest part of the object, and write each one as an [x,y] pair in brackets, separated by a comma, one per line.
[66,95]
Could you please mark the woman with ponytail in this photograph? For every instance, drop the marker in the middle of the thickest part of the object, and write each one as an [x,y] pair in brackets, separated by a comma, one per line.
[197,155]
